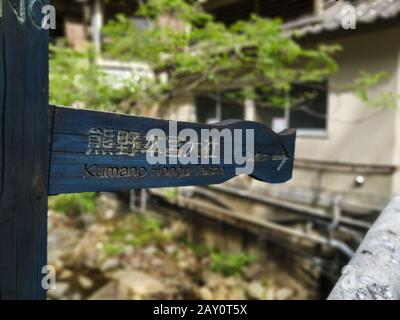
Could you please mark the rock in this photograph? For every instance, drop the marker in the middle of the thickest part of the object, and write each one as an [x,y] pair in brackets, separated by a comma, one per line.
[156,262]
[76,296]
[255,290]
[129,251]
[284,294]
[213,280]
[150,250]
[221,293]
[139,283]
[87,220]
[205,294]
[236,294]
[135,262]
[183,264]
[62,237]
[253,271]
[231,282]
[60,291]
[270,294]
[85,283]
[58,264]
[169,269]
[65,274]
[108,205]
[171,249]
[111,291]
[88,252]
[110,264]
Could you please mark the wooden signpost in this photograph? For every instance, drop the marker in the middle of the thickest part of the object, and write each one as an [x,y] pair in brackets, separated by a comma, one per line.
[47,150]
[24,160]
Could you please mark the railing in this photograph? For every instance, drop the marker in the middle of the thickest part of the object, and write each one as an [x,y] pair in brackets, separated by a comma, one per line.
[374,271]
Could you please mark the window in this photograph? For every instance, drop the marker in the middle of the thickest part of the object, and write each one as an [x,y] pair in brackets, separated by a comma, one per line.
[308,114]
[274,118]
[211,108]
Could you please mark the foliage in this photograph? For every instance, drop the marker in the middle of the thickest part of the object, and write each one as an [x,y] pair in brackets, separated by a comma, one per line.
[366,81]
[171,193]
[196,52]
[230,263]
[189,51]
[74,204]
[76,81]
[200,250]
[113,249]
[141,231]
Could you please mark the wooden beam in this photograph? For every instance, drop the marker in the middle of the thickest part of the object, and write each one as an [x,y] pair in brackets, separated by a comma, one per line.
[23,150]
[212,5]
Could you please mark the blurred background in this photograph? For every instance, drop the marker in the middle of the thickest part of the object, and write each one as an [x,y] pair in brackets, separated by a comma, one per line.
[330,69]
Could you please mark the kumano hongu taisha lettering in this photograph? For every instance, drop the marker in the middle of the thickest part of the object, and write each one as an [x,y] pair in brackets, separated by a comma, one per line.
[95,171]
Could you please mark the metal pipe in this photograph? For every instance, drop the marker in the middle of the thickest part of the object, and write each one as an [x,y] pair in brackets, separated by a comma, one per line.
[300,209]
[213,212]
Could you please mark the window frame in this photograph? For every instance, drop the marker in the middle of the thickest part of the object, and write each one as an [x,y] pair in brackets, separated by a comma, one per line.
[218,108]
[312,133]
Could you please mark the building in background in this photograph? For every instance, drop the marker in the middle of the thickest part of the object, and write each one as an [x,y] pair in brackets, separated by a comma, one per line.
[80,21]
[344,149]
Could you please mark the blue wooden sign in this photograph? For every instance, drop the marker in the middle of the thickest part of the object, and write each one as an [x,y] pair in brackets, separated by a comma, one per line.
[52,150]
[97,151]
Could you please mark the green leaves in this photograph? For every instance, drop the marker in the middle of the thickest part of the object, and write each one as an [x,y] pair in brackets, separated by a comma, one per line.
[74,205]
[366,88]
[197,52]
[186,11]
[188,51]
[230,264]
[76,81]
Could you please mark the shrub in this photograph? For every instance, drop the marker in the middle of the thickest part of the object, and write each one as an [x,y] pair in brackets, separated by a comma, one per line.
[74,204]
[141,231]
[230,263]
[113,249]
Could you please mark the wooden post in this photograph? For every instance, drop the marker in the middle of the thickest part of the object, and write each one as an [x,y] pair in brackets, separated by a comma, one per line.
[24,160]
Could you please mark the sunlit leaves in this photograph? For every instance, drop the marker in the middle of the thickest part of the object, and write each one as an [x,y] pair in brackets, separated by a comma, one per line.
[198,52]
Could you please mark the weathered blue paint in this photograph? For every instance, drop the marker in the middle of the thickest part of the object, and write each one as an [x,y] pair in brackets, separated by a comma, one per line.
[24,155]
[75,167]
